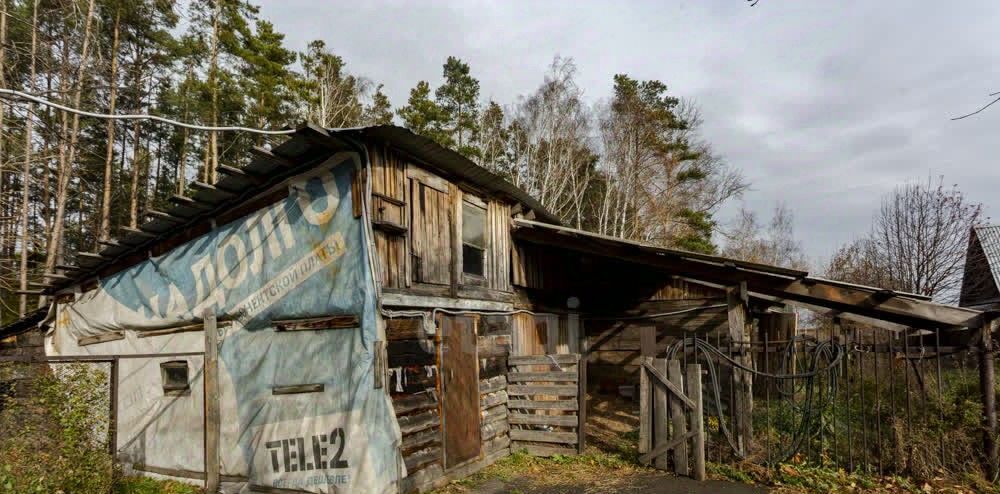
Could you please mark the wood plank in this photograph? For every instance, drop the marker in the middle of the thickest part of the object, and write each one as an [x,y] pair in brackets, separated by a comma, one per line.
[494,346]
[543,436]
[416,423]
[493,399]
[678,418]
[405,328]
[165,331]
[645,412]
[213,409]
[542,389]
[581,428]
[493,384]
[661,431]
[542,376]
[101,338]
[664,447]
[566,358]
[411,403]
[544,404]
[421,439]
[534,419]
[422,457]
[496,444]
[661,380]
[341,321]
[538,450]
[421,479]
[298,389]
[491,430]
[697,419]
[494,414]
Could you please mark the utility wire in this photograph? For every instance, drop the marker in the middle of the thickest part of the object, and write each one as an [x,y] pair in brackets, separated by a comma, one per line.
[13,94]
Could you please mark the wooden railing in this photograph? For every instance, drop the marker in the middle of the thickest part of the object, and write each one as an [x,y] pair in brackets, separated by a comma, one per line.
[547,404]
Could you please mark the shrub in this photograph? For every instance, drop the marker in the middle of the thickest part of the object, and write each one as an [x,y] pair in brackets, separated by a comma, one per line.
[56,429]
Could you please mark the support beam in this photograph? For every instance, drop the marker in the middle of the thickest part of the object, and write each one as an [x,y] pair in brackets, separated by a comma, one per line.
[742,381]
[267,155]
[212,411]
[987,386]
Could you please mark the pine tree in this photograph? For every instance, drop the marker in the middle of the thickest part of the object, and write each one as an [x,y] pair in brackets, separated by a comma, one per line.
[379,111]
[458,99]
[267,78]
[424,116]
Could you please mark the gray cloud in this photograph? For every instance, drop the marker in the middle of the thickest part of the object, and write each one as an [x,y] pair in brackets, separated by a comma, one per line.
[825,106]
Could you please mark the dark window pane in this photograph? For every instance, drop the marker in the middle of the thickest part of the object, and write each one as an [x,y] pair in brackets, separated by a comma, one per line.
[175,376]
[472,259]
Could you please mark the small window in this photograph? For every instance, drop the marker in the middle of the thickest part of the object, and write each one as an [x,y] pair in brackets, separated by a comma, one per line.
[473,239]
[175,377]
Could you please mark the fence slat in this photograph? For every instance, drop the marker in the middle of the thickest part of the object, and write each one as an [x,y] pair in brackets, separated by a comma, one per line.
[532,419]
[697,419]
[677,417]
[542,376]
[544,404]
[542,389]
[661,431]
[565,358]
[543,436]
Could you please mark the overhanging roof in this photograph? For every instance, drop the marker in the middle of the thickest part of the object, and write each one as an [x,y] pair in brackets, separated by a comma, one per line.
[308,147]
[771,282]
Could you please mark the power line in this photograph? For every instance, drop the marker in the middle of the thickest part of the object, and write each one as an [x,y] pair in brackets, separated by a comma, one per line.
[12,94]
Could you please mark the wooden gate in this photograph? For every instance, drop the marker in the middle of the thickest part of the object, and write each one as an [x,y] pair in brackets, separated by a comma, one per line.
[547,406]
[669,416]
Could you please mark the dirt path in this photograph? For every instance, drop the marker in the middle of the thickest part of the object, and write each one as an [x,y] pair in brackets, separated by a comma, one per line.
[643,483]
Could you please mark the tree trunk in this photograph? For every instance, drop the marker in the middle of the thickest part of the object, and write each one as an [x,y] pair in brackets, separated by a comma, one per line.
[5,227]
[26,179]
[182,160]
[213,83]
[109,156]
[66,166]
[133,203]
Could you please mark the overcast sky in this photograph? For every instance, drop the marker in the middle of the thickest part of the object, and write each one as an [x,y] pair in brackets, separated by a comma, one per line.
[823,105]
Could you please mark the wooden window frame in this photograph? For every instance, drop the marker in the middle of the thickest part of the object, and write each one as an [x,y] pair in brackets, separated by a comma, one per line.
[170,388]
[473,278]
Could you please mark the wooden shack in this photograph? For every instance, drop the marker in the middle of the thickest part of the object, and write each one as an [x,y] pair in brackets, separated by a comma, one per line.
[373,272]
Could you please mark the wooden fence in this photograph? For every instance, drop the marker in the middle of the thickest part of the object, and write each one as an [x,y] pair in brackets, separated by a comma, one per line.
[547,403]
[662,394]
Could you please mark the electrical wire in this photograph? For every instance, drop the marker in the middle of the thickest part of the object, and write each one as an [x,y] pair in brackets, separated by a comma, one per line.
[14,94]
[810,411]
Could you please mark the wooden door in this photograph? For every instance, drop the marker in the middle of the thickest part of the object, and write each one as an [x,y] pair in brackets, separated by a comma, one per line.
[460,389]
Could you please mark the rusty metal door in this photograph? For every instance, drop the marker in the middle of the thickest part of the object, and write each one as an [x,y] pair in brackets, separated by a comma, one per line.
[460,383]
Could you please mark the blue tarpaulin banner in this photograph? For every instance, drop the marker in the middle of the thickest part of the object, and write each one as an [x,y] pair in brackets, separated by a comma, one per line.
[301,257]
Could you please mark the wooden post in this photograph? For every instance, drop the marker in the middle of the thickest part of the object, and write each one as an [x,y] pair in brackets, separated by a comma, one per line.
[647,342]
[644,432]
[661,432]
[581,428]
[987,386]
[679,418]
[697,419]
[743,392]
[212,414]
[113,422]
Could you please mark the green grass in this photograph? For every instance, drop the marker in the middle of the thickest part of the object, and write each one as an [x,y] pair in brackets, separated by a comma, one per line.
[146,485]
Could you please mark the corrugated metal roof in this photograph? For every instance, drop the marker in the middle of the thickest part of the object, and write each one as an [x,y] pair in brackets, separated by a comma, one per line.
[306,148]
[989,238]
